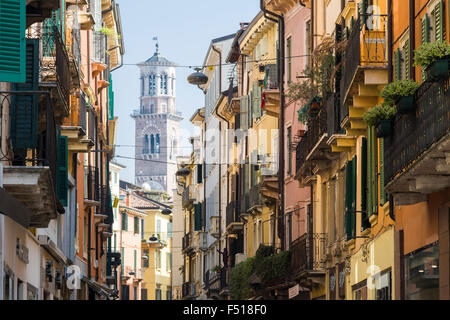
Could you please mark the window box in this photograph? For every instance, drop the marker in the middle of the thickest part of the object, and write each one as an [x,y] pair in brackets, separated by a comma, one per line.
[384,128]
[438,69]
[406,104]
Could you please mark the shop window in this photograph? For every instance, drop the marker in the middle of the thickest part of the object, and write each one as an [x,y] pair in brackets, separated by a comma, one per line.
[360,291]
[383,287]
[422,274]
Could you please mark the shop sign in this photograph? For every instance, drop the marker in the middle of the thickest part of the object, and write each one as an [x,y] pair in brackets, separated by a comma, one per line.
[294,291]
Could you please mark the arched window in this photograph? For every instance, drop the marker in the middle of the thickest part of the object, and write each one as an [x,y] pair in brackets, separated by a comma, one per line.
[152,144]
[146,143]
[157,149]
[165,84]
[151,84]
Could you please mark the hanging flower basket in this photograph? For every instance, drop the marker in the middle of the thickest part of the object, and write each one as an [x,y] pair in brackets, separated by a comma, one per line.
[406,104]
[383,128]
[438,69]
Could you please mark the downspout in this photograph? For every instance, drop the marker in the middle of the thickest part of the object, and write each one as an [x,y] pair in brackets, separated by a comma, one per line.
[412,33]
[2,234]
[281,58]
[220,154]
[389,46]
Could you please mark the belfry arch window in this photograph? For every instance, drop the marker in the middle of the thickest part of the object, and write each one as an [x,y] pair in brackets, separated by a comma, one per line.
[146,144]
[157,149]
[152,144]
[152,84]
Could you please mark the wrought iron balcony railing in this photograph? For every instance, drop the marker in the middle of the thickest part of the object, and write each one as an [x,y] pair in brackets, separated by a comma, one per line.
[91,183]
[308,253]
[187,241]
[255,196]
[334,112]
[99,41]
[271,77]
[77,116]
[415,133]
[317,127]
[366,47]
[232,212]
[188,289]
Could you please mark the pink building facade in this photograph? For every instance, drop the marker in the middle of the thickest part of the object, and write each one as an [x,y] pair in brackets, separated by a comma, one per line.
[297,46]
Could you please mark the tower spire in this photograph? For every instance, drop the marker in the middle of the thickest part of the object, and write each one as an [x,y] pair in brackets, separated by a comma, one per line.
[156,45]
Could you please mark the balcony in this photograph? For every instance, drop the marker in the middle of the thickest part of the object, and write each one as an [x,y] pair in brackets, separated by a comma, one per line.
[255,199]
[245,204]
[187,243]
[201,241]
[271,90]
[309,256]
[54,72]
[189,291]
[91,186]
[214,228]
[75,126]
[31,175]
[313,153]
[417,154]
[187,200]
[233,223]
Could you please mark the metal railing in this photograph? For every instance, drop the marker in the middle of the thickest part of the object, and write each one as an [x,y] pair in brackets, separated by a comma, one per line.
[371,51]
[33,134]
[99,40]
[77,115]
[414,133]
[92,124]
[317,127]
[187,241]
[91,183]
[232,212]
[255,196]
[188,289]
[245,203]
[186,197]
[271,77]
[334,111]
[308,253]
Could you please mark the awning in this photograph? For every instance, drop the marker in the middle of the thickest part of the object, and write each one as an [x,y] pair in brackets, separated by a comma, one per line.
[100,288]
[14,209]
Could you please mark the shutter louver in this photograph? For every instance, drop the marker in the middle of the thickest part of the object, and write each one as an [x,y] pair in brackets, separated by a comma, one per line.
[425,36]
[364,192]
[439,21]
[24,108]
[397,66]
[12,41]
[407,60]
[199,173]
[348,201]
[61,178]
[353,208]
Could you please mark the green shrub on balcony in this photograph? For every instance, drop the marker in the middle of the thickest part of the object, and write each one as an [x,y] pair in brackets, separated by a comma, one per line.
[398,89]
[380,112]
[240,275]
[429,52]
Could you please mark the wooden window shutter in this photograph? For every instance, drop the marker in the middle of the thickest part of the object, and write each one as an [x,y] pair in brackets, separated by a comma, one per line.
[439,21]
[199,173]
[348,200]
[364,190]
[372,172]
[197,217]
[122,258]
[398,64]
[62,186]
[425,29]
[382,193]
[12,41]
[24,108]
[407,60]
[353,209]
[135,261]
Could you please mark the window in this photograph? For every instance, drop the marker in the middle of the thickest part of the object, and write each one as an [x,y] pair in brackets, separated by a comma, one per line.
[122,257]
[144,294]
[289,60]
[146,144]
[135,293]
[383,289]
[360,291]
[158,228]
[168,261]
[146,258]
[158,259]
[169,230]
[142,228]
[157,148]
[158,294]
[135,261]
[308,42]
[136,225]
[289,142]
[152,84]
[422,274]
[165,90]
[169,294]
[124,222]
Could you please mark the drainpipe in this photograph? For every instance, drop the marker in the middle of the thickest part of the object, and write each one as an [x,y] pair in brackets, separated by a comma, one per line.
[389,46]
[412,33]
[220,155]
[2,235]
[280,21]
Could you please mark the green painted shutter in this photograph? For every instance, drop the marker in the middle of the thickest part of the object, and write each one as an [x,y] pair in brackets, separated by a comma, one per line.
[135,261]
[197,217]
[62,186]
[364,192]
[169,230]
[439,21]
[122,258]
[12,41]
[199,173]
[397,64]
[353,209]
[348,201]
[24,108]
[372,171]
[425,36]
[382,193]
[407,60]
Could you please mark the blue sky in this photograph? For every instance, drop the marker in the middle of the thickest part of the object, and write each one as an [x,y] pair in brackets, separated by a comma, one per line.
[184,30]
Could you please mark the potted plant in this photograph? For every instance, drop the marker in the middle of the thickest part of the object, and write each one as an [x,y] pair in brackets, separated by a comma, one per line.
[434,58]
[303,113]
[216,269]
[381,117]
[401,93]
[315,104]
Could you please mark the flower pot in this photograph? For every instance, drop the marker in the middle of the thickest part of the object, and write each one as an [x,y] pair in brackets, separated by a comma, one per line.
[315,106]
[437,70]
[406,104]
[383,128]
